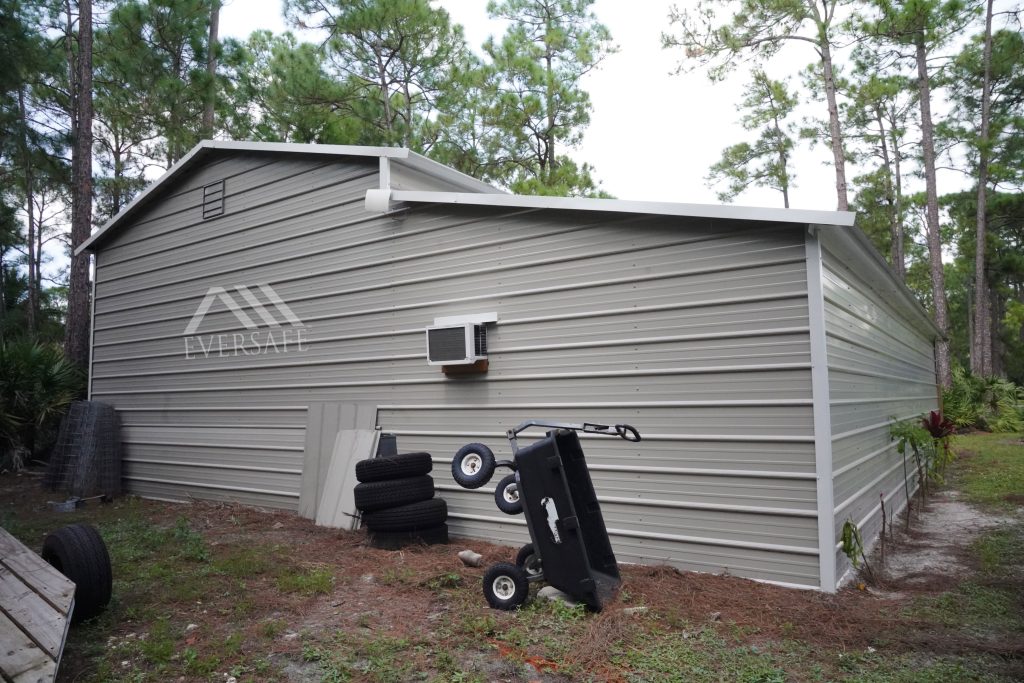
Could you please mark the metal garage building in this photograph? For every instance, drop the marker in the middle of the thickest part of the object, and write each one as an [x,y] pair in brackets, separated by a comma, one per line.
[260,295]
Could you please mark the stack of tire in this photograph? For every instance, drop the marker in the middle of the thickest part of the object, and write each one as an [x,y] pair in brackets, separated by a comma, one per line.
[395,495]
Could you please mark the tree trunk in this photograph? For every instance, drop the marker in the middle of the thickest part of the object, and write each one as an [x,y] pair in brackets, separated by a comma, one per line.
[899,257]
[33,278]
[934,239]
[895,236]
[835,132]
[212,47]
[550,136]
[76,341]
[783,160]
[981,341]
[997,309]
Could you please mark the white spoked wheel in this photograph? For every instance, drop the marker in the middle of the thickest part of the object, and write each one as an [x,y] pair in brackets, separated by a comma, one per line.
[507,496]
[471,464]
[511,494]
[504,587]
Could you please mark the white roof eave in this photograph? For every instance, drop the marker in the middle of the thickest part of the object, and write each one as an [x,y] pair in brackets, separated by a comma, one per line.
[399,155]
[728,212]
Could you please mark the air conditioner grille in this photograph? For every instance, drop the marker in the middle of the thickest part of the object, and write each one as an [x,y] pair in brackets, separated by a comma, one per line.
[446,344]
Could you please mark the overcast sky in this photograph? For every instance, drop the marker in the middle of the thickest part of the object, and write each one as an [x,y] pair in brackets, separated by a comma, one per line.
[652,135]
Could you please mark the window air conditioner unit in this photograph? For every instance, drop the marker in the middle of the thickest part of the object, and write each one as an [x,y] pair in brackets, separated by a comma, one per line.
[458,340]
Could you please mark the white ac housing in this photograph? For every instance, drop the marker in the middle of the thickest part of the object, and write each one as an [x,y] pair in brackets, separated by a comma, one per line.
[458,340]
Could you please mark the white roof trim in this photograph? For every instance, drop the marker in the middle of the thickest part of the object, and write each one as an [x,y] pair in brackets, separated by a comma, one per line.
[400,155]
[836,218]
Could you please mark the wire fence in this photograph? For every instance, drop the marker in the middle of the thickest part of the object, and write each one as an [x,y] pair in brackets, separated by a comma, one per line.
[86,460]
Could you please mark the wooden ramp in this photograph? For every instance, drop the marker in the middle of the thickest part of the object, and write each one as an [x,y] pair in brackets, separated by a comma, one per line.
[35,609]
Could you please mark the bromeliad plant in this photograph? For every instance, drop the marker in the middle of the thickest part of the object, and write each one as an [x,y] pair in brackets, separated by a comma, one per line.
[940,428]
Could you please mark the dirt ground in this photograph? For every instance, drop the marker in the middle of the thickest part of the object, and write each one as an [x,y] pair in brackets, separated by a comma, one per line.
[227,592]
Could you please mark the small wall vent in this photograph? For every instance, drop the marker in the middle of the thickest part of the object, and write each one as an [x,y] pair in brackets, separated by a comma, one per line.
[213,200]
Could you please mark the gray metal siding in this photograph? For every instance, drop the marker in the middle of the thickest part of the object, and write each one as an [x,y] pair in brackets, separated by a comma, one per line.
[694,331]
[881,368]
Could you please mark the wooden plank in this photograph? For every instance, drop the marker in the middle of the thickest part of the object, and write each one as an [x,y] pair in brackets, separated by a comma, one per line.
[20,603]
[337,505]
[50,584]
[21,660]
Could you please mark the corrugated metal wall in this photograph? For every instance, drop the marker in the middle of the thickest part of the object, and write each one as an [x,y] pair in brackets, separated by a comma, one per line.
[695,331]
[881,367]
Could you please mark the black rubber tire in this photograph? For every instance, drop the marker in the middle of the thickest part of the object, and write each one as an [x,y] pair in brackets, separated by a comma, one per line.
[412,517]
[386,467]
[377,495]
[395,540]
[79,553]
[473,466]
[506,496]
[529,560]
[513,579]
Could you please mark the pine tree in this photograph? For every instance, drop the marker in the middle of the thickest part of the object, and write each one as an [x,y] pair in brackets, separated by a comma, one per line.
[765,163]
[539,105]
[395,58]
[761,28]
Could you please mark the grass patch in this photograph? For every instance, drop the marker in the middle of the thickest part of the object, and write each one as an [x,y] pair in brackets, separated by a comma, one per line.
[1000,551]
[704,656]
[245,562]
[272,629]
[160,643]
[315,581]
[445,580]
[382,659]
[401,576]
[971,606]
[199,665]
[993,472]
[915,668]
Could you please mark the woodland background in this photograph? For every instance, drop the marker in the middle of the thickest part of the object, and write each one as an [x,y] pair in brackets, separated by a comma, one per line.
[96,98]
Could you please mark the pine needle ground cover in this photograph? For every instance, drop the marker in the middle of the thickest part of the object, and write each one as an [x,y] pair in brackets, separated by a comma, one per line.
[209,591]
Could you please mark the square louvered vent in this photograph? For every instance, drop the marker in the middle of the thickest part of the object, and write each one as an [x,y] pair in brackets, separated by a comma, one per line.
[213,200]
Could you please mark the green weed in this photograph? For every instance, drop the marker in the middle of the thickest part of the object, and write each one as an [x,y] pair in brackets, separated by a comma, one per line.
[244,562]
[314,581]
[160,643]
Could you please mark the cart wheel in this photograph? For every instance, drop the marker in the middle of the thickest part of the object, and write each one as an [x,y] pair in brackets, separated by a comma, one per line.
[473,466]
[506,586]
[529,560]
[507,496]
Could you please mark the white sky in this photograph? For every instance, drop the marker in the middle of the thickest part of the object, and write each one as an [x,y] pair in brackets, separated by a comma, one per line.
[652,135]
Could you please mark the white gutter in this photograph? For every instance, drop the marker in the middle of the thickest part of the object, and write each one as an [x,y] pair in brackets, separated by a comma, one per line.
[742,213]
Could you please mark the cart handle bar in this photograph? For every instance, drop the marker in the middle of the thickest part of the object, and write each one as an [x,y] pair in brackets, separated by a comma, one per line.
[627,432]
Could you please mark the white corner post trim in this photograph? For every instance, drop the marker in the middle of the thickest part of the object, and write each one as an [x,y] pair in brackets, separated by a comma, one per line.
[822,412]
[92,323]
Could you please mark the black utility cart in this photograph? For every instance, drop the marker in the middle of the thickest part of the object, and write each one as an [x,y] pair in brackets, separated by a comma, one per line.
[551,486]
